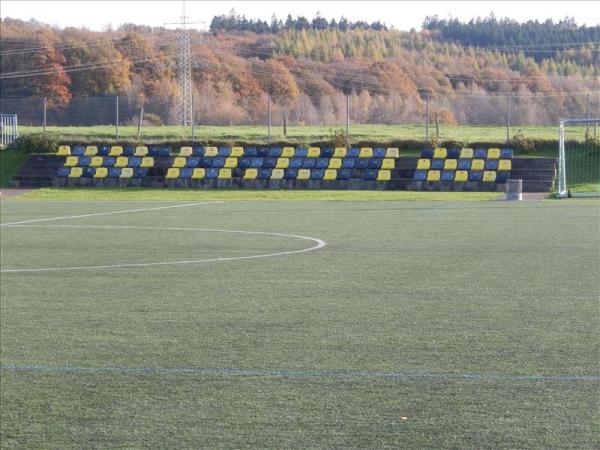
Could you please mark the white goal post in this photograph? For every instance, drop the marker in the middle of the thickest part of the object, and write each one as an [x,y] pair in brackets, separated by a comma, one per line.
[578,158]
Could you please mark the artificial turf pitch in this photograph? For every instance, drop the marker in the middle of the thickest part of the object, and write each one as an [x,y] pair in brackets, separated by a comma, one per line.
[417,325]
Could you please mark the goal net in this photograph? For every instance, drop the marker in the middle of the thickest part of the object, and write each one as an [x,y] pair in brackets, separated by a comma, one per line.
[579,158]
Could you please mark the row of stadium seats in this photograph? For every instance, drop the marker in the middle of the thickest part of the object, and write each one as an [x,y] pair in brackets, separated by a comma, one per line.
[236,152]
[467,153]
[462,175]
[102,172]
[109,161]
[464,164]
[284,163]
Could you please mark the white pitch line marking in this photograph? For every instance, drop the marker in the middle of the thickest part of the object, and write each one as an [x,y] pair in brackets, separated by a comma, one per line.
[108,213]
[319,244]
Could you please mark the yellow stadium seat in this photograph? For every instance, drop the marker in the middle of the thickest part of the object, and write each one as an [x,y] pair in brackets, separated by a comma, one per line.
[493,153]
[122,161]
[231,163]
[173,172]
[179,162]
[477,164]
[225,173]
[384,175]
[461,175]
[388,163]
[199,173]
[75,172]
[392,152]
[282,163]
[250,174]
[64,150]
[489,176]
[71,161]
[303,174]
[366,152]
[440,153]
[96,161]
[237,152]
[450,164]
[141,150]
[91,150]
[340,152]
[466,153]
[186,151]
[423,164]
[504,164]
[211,151]
[115,150]
[277,174]
[313,152]
[335,163]
[287,152]
[101,172]
[126,172]
[433,175]
[147,161]
[330,174]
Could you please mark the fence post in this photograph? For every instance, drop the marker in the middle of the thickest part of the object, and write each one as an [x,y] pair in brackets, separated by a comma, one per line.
[140,123]
[347,115]
[587,116]
[284,124]
[193,120]
[117,116]
[269,125]
[427,116]
[437,128]
[507,118]
[45,109]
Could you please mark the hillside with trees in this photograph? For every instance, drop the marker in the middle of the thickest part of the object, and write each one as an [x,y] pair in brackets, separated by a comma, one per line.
[309,66]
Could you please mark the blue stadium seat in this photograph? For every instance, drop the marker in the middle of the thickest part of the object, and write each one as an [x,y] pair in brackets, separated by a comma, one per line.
[491,164]
[103,150]
[262,152]
[322,163]
[480,153]
[264,174]
[109,161]
[374,163]
[317,174]
[218,162]
[427,153]
[437,164]
[344,174]
[191,162]
[212,172]
[464,164]
[300,152]
[250,152]
[164,151]
[269,163]
[379,152]
[238,172]
[420,175]
[152,151]
[204,162]
[114,172]
[185,173]
[453,153]
[371,174]
[353,152]
[84,161]
[502,177]
[290,174]
[309,163]
[128,150]
[198,151]
[88,172]
[140,172]
[447,175]
[475,175]
[244,162]
[78,150]
[63,171]
[224,151]
[361,163]
[296,163]
[255,163]
[506,153]
[326,152]
[348,163]
[274,152]
[134,161]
